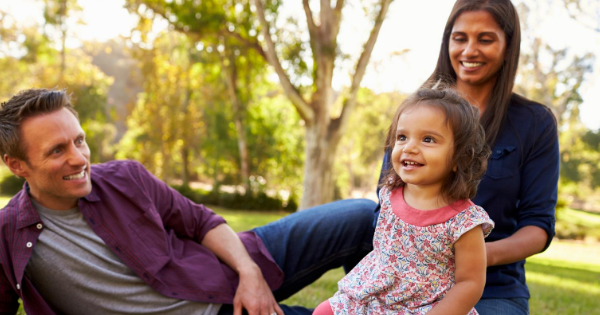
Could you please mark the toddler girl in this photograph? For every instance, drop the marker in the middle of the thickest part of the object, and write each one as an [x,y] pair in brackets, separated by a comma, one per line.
[428,250]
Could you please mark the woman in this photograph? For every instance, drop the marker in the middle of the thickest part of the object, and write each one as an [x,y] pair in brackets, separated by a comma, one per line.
[479,57]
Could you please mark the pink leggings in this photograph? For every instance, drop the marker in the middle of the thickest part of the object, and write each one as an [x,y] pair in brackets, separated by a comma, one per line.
[323,309]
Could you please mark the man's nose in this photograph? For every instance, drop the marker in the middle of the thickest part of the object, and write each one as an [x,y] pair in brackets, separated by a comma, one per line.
[77,156]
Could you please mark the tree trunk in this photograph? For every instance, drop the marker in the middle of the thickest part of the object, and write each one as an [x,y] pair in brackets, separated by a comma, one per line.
[239,112]
[318,168]
[185,167]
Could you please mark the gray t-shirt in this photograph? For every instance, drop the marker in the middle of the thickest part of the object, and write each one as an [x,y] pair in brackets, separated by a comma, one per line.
[77,273]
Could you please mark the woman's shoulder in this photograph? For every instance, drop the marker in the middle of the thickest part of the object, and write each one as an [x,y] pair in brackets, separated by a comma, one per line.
[528,109]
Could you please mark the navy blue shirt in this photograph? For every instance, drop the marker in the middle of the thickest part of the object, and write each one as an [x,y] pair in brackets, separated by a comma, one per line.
[520,186]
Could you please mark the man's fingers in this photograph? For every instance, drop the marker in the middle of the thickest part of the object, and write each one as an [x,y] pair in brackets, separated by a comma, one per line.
[278,310]
[237,307]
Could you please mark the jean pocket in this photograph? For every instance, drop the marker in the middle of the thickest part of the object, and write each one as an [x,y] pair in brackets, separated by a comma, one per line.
[502,163]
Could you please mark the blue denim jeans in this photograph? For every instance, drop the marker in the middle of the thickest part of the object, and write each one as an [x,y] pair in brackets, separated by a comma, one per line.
[516,306]
[308,243]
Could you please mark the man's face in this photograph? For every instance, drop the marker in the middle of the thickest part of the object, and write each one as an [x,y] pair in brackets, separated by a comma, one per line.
[58,166]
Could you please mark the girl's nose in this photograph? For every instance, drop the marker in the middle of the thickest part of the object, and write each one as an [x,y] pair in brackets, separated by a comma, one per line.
[410,148]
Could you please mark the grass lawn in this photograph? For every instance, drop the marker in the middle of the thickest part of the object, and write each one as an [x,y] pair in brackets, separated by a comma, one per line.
[563,280]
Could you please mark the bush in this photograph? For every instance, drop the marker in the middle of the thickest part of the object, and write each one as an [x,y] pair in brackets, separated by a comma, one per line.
[11,184]
[250,201]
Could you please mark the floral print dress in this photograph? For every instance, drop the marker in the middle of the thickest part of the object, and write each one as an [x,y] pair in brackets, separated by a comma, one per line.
[411,266]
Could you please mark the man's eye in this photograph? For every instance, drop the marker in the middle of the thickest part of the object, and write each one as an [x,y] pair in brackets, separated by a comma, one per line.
[56,151]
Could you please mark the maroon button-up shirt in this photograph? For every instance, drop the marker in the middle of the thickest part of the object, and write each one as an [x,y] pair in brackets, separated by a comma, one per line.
[151,227]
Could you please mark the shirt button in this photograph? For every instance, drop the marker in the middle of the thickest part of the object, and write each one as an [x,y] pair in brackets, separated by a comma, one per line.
[29,244]
[39,226]
[18,286]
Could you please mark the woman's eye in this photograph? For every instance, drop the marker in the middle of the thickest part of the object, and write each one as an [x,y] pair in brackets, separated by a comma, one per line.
[459,39]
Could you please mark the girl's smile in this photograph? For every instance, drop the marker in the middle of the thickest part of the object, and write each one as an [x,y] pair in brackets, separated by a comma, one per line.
[424,147]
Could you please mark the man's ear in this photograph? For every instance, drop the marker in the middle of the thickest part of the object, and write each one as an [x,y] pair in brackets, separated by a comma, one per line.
[16,166]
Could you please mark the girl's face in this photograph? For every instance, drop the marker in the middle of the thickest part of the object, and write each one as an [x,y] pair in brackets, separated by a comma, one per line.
[424,147]
[476,48]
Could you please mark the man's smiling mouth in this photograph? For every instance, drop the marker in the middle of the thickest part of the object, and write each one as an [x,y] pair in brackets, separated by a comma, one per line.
[75,176]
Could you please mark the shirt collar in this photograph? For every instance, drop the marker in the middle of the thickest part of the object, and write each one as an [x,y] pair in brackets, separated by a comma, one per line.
[27,214]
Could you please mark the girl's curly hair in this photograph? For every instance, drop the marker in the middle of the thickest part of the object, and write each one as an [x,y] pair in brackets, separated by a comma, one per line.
[470,149]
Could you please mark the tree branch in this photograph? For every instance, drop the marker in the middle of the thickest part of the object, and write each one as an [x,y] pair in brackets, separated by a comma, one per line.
[305,111]
[340,123]
[337,17]
[312,28]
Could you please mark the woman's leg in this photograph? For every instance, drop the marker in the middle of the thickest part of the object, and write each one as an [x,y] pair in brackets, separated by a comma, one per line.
[310,242]
[516,306]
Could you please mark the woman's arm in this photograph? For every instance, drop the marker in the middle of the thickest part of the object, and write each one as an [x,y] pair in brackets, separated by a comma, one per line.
[526,242]
[470,260]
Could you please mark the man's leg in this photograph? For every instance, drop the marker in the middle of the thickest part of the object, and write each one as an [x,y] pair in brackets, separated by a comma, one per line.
[517,306]
[308,243]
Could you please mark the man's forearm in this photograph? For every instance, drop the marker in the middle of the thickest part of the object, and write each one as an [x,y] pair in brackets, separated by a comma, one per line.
[226,245]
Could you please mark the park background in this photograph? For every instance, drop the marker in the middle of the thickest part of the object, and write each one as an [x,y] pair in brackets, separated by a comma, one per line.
[271,106]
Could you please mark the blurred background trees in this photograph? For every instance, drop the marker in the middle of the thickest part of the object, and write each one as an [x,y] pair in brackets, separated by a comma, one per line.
[244,97]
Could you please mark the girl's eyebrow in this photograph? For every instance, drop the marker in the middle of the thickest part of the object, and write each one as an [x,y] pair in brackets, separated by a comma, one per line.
[428,132]
[438,135]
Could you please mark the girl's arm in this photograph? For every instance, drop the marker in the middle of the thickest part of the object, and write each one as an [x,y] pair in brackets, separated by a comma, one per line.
[469,251]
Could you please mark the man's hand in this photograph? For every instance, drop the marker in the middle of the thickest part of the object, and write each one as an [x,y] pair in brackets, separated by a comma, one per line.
[253,292]
[254,295]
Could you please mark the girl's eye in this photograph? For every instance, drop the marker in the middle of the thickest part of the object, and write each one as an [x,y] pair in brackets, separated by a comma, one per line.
[400,138]
[429,140]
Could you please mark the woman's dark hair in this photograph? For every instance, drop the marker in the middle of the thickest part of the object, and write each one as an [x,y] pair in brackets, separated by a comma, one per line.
[470,149]
[506,16]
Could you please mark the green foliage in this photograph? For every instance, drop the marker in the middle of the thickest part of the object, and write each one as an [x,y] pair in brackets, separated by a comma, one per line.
[361,149]
[255,201]
[579,225]
[35,62]
[11,184]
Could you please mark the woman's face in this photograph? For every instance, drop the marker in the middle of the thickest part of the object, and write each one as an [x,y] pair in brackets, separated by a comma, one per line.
[477,47]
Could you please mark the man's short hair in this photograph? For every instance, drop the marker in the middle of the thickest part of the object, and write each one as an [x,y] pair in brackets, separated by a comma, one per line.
[25,104]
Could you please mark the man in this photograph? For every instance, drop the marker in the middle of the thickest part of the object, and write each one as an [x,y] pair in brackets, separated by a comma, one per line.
[112,238]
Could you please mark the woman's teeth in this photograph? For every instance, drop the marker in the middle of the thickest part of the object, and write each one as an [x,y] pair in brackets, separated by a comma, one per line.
[472,64]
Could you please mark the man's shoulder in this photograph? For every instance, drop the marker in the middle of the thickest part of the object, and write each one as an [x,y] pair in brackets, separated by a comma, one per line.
[120,174]
[10,212]
[117,168]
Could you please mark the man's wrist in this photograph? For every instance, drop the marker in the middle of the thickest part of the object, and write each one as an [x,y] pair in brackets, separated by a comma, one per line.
[248,269]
